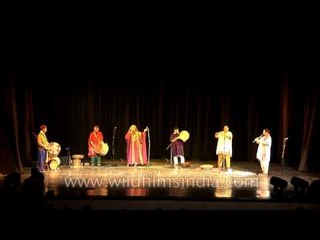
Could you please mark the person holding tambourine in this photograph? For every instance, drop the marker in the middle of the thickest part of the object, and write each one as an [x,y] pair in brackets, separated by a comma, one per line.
[177,147]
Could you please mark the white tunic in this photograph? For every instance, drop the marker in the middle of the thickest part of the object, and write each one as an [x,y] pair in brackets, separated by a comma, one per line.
[264,149]
[224,145]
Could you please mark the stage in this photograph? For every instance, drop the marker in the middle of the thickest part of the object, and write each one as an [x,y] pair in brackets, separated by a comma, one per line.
[115,186]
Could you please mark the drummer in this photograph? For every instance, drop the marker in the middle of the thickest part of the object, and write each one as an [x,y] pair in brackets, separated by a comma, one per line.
[177,147]
[95,138]
[43,147]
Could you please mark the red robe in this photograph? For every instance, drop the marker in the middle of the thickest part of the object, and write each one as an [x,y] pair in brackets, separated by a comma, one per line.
[94,139]
[136,148]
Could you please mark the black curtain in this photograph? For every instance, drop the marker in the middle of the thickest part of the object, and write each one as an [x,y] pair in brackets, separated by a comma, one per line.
[70,101]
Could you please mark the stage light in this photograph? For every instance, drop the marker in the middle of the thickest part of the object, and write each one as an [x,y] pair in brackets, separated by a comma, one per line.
[279,185]
[299,185]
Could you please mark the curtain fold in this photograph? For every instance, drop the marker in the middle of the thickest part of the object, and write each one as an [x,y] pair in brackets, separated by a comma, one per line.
[70,111]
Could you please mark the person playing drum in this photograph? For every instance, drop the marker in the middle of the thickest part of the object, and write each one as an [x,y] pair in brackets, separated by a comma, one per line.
[177,147]
[95,138]
[43,147]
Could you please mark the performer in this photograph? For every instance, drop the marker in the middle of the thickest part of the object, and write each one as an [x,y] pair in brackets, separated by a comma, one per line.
[43,147]
[264,150]
[224,147]
[95,138]
[136,146]
[177,147]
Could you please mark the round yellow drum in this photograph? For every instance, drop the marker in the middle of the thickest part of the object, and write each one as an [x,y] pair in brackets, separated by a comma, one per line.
[184,135]
[54,150]
[54,163]
[102,148]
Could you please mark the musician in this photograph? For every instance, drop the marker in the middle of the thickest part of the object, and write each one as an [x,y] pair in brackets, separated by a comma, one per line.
[43,147]
[264,150]
[177,147]
[136,146]
[224,147]
[95,138]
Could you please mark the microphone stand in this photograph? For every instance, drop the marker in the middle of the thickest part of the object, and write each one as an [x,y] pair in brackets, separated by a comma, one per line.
[282,155]
[169,146]
[149,146]
[113,137]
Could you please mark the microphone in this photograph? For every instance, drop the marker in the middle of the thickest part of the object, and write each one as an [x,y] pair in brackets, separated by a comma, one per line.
[115,127]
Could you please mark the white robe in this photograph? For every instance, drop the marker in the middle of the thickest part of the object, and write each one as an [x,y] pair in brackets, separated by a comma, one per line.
[264,149]
[224,145]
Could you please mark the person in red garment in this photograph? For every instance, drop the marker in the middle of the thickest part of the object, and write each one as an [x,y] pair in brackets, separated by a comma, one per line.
[136,146]
[95,138]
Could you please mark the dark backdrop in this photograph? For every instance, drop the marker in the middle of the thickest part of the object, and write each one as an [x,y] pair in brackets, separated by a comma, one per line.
[195,73]
[196,98]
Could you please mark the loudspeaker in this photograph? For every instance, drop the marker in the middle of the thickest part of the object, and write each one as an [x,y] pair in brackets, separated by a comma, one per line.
[279,184]
[300,185]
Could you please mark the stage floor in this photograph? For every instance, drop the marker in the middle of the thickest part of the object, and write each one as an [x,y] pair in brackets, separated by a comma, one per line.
[160,185]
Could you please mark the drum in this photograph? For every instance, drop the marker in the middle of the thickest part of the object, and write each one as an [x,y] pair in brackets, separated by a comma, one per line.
[77,156]
[54,149]
[184,135]
[101,148]
[54,163]
[76,162]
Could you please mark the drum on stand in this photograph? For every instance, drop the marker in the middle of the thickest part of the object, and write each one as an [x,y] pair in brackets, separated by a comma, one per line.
[76,160]
[53,160]
[54,149]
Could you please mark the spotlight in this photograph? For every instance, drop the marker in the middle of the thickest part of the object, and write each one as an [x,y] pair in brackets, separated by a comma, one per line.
[299,185]
[279,184]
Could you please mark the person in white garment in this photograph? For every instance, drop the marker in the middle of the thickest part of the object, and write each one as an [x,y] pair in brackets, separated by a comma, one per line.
[224,148]
[264,150]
